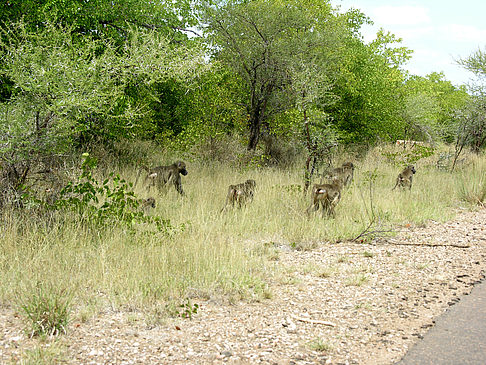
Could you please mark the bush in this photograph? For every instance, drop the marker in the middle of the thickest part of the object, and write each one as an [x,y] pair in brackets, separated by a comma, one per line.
[119,202]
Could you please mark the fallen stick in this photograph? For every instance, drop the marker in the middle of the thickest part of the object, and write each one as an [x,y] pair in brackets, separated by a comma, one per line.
[457,245]
[314,321]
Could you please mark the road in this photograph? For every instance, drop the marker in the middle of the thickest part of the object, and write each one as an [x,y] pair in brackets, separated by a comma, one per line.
[458,337]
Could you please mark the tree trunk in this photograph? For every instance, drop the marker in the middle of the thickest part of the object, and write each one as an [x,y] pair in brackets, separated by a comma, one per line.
[255,125]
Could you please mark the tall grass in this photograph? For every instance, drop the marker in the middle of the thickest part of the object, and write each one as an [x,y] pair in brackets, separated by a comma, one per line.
[214,254]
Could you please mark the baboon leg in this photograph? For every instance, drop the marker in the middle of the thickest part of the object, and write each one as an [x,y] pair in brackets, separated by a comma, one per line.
[397,183]
[230,198]
[175,179]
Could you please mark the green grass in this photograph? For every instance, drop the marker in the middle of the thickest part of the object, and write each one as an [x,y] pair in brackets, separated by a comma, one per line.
[44,354]
[212,254]
[46,310]
[319,344]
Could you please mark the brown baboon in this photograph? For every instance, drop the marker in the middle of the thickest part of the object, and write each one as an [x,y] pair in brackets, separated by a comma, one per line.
[161,176]
[327,196]
[405,177]
[148,203]
[240,194]
[345,173]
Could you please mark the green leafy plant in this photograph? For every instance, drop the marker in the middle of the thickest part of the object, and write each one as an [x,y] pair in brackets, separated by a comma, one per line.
[409,156]
[119,202]
[188,309]
[357,280]
[368,254]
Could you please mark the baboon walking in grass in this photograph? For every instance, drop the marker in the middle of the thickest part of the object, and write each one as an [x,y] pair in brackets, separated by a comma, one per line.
[345,173]
[162,176]
[240,194]
[326,196]
[405,177]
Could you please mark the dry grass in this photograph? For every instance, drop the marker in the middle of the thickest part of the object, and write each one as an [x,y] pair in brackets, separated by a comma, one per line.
[214,254]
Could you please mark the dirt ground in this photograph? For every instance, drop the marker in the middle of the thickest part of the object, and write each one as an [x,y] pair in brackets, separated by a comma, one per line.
[344,303]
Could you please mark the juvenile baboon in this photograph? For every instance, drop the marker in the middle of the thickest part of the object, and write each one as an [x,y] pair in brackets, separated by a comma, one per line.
[345,173]
[161,176]
[405,177]
[148,203]
[240,194]
[327,196]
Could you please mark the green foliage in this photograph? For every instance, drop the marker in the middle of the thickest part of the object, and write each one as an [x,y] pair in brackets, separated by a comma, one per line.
[209,111]
[471,124]
[475,63]
[104,18]
[47,311]
[276,49]
[119,204]
[188,309]
[429,105]
[369,87]
[409,156]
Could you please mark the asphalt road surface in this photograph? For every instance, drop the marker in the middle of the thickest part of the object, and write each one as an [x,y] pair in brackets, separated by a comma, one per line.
[458,337]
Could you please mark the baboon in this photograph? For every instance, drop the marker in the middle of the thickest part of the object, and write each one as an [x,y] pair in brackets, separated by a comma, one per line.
[161,176]
[405,177]
[148,203]
[327,196]
[240,194]
[345,173]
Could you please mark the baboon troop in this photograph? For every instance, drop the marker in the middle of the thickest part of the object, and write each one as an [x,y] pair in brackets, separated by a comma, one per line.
[162,176]
[240,194]
[405,177]
[326,196]
[345,173]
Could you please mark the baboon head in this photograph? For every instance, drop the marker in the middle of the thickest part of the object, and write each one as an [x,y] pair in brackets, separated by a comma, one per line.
[181,167]
[348,165]
[411,168]
[151,202]
[250,184]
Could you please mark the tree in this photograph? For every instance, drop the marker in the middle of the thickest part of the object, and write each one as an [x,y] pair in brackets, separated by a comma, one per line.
[471,118]
[64,86]
[265,42]
[212,109]
[370,87]
[430,103]
[475,63]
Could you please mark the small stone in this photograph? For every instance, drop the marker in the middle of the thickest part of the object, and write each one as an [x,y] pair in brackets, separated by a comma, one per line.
[227,353]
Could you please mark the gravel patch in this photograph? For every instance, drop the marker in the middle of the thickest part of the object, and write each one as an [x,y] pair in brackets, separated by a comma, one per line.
[344,303]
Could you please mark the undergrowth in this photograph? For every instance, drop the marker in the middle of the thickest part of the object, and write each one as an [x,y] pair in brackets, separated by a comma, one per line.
[126,263]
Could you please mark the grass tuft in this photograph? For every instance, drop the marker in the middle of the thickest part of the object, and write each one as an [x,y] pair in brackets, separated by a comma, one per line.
[319,344]
[47,311]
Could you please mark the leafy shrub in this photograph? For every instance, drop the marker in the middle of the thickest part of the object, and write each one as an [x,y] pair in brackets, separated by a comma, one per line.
[410,156]
[119,202]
